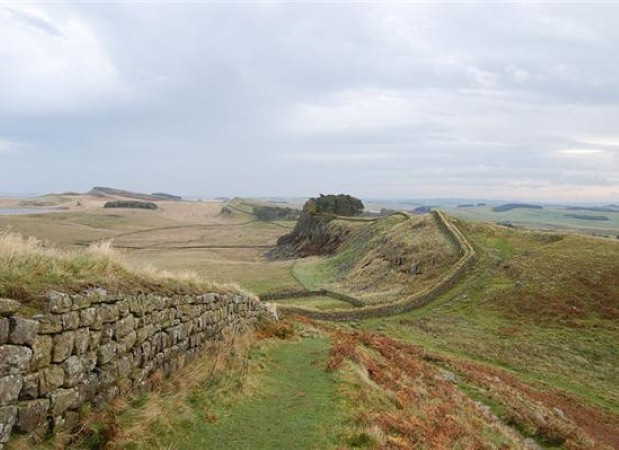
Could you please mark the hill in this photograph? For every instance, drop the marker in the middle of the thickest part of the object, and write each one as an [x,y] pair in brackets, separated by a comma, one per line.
[107,191]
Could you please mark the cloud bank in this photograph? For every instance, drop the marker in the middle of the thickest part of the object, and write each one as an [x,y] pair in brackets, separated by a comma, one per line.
[513,100]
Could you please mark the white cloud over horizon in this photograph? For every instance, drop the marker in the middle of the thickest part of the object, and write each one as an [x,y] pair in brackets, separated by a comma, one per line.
[511,100]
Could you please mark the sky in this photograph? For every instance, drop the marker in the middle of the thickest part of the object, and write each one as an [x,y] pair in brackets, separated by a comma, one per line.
[394,100]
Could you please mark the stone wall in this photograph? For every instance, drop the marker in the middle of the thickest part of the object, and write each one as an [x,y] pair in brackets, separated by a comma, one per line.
[468,257]
[91,347]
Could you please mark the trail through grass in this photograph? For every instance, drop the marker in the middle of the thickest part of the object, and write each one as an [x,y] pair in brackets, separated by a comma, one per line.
[295,405]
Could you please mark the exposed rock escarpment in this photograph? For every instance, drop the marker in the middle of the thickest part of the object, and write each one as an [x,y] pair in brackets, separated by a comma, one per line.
[314,233]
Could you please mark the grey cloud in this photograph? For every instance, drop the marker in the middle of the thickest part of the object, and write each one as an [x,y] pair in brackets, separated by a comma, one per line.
[294,99]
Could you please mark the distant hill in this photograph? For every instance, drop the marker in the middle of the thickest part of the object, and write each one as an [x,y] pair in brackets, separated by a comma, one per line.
[586,217]
[104,191]
[509,206]
[608,208]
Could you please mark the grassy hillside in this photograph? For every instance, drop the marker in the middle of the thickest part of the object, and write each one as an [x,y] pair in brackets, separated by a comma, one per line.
[550,217]
[382,260]
[542,306]
[28,269]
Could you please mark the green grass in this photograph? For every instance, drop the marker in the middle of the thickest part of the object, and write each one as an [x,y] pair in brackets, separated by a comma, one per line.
[318,302]
[525,308]
[551,217]
[294,405]
[294,409]
[374,262]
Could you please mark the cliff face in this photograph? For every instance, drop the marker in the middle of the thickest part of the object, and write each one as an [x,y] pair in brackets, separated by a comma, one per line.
[316,231]
[313,235]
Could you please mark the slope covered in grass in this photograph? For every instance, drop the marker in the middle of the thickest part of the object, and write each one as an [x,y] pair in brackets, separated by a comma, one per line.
[28,269]
[382,260]
[541,305]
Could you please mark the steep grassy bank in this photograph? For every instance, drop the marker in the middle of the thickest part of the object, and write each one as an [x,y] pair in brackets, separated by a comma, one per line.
[382,260]
[541,305]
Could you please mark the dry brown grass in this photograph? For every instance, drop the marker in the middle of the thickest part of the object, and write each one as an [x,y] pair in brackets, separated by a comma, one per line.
[403,401]
[28,269]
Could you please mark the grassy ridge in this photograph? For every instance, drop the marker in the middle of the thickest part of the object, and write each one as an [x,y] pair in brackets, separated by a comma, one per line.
[28,269]
[541,305]
[375,261]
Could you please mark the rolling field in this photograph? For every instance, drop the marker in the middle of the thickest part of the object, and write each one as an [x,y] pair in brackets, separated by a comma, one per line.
[550,218]
[521,353]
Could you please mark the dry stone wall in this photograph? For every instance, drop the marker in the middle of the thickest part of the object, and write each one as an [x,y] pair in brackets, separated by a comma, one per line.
[468,258]
[91,347]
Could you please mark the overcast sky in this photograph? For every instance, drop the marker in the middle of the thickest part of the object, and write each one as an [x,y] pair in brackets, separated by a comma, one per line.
[512,100]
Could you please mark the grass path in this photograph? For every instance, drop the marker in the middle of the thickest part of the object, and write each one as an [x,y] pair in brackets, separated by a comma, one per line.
[296,403]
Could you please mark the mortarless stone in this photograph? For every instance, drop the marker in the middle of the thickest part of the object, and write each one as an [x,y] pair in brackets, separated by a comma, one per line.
[63,346]
[57,303]
[82,341]
[8,415]
[22,331]
[8,307]
[10,386]
[63,399]
[42,352]
[31,415]
[4,331]
[50,378]
[14,359]
[30,388]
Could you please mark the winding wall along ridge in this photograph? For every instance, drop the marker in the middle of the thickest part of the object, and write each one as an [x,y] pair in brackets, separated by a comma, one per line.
[455,273]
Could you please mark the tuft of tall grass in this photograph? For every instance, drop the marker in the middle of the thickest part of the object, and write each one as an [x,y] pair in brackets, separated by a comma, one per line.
[29,268]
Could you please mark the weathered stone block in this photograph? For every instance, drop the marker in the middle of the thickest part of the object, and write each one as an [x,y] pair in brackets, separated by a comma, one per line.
[73,371]
[87,317]
[95,339]
[80,302]
[107,332]
[97,295]
[30,388]
[106,353]
[123,308]
[89,361]
[8,416]
[31,415]
[42,352]
[126,343]
[125,365]
[57,303]
[8,307]
[124,326]
[144,333]
[10,386]
[82,341]
[14,359]
[70,320]
[4,331]
[63,399]
[108,374]
[108,313]
[22,331]
[48,323]
[50,378]
[62,346]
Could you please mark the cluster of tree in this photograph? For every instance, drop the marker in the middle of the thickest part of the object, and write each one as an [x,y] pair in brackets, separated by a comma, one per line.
[130,204]
[509,206]
[339,205]
[276,213]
